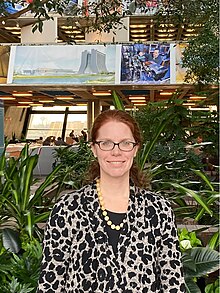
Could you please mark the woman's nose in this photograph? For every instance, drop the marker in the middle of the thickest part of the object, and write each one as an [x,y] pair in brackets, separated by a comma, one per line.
[116,150]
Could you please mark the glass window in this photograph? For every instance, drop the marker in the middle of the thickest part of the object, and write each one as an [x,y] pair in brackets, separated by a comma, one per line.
[45,125]
[76,122]
[51,123]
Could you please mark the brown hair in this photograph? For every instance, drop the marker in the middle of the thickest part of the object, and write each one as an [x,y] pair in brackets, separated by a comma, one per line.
[136,174]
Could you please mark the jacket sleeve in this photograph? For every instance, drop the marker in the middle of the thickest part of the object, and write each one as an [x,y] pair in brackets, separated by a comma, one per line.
[56,250]
[170,265]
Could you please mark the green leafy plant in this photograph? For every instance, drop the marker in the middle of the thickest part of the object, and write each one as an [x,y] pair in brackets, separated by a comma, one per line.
[188,239]
[159,127]
[73,164]
[203,208]
[213,287]
[19,272]
[22,207]
[198,262]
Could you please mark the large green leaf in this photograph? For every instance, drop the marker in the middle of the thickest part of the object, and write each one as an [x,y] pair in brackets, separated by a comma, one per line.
[205,259]
[42,217]
[204,178]
[193,194]
[11,240]
[188,262]
[30,165]
[47,182]
[143,156]
[214,241]
[29,222]
[118,102]
[212,198]
[191,286]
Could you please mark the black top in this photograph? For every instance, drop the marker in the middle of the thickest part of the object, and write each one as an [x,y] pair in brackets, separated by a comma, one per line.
[113,234]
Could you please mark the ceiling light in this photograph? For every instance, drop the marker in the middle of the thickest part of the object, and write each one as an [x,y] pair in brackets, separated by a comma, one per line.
[20,94]
[197,98]
[16,33]
[46,101]
[190,30]
[191,35]
[102,93]
[200,109]
[134,101]
[11,28]
[64,98]
[27,102]
[137,97]
[166,93]
[164,35]
[137,31]
[137,25]
[80,37]
[68,27]
[7,98]
[36,104]
[188,104]
[138,36]
[166,25]
[166,30]
[73,32]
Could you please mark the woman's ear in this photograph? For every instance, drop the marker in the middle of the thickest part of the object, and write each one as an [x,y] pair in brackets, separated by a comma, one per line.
[136,150]
[93,149]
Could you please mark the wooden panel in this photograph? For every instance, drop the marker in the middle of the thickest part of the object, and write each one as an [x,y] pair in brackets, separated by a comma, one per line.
[14,121]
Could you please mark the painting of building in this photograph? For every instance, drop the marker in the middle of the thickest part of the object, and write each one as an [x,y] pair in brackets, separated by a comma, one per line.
[94,62]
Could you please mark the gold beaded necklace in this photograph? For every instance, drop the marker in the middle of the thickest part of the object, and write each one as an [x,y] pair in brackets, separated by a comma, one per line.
[104,212]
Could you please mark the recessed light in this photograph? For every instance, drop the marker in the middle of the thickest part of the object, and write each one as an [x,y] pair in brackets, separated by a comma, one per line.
[197,98]
[7,98]
[64,98]
[24,94]
[27,102]
[166,93]
[102,93]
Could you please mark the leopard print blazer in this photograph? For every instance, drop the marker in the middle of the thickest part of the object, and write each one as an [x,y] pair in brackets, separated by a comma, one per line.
[78,258]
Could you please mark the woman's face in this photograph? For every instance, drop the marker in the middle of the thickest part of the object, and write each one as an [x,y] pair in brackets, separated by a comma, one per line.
[114,163]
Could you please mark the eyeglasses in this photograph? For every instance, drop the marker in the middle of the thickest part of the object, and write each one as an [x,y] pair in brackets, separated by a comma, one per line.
[108,145]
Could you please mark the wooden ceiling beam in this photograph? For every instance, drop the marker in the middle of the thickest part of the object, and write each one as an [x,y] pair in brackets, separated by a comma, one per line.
[86,95]
[152,95]
[8,37]
[183,94]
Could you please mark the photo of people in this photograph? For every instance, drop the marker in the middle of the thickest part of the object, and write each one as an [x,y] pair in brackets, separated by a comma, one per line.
[145,63]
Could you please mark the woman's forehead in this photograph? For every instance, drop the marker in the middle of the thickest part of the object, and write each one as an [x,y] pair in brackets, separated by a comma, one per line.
[115,128]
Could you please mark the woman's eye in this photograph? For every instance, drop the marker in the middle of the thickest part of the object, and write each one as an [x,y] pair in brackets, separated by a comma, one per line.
[125,143]
[106,143]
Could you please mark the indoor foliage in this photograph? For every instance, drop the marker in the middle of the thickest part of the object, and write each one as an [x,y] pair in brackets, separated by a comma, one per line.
[25,207]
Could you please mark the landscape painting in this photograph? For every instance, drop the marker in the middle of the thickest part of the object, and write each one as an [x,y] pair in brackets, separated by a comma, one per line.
[56,64]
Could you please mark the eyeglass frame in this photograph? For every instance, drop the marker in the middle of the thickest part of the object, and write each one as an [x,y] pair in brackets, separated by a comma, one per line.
[114,144]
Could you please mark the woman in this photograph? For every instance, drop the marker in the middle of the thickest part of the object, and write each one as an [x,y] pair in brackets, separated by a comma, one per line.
[112,235]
